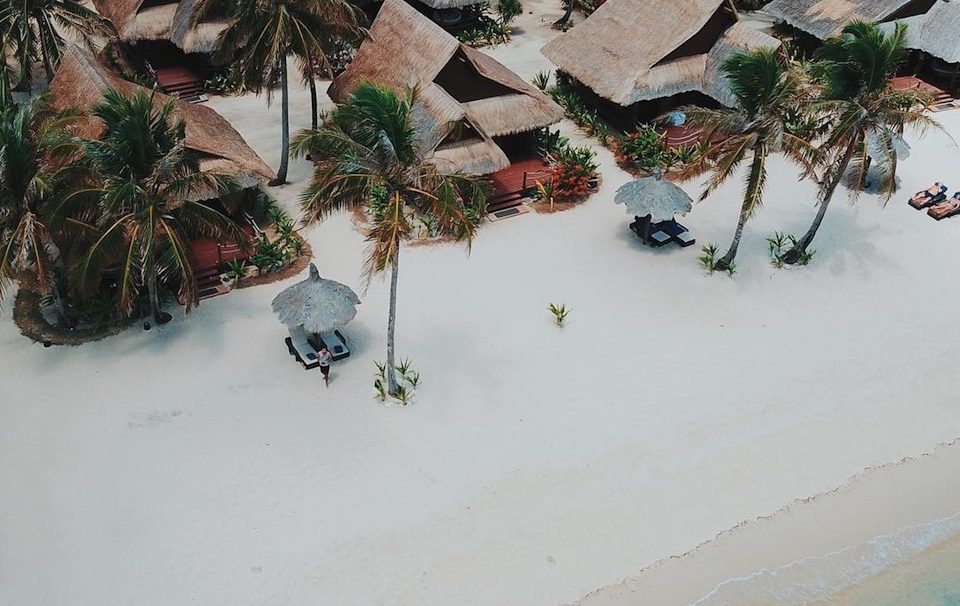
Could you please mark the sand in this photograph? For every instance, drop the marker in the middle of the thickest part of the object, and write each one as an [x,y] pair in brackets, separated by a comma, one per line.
[198,464]
[811,549]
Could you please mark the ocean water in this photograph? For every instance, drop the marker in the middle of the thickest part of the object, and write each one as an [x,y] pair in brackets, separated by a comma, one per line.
[915,566]
[931,578]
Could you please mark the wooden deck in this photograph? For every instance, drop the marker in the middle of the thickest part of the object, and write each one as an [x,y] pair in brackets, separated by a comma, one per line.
[180,81]
[508,186]
[941,98]
[209,253]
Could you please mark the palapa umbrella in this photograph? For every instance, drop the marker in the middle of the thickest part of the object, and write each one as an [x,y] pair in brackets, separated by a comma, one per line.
[654,196]
[317,304]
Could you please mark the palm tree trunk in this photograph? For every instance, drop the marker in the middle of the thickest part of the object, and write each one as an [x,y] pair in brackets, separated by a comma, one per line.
[285,123]
[793,255]
[152,293]
[392,385]
[726,261]
[45,57]
[314,108]
[567,13]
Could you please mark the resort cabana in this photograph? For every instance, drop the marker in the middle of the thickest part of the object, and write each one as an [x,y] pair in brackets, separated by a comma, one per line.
[638,59]
[932,29]
[161,37]
[81,81]
[474,115]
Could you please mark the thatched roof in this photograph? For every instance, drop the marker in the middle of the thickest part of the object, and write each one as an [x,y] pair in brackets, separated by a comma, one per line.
[440,4]
[174,22]
[81,81]
[407,49]
[629,51]
[932,25]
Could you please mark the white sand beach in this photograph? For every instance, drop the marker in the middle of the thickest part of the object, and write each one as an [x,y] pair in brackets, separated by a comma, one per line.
[198,464]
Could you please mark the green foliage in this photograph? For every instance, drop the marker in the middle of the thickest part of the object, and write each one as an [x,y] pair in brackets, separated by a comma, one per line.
[508,10]
[550,142]
[781,244]
[409,380]
[268,256]
[486,30]
[709,261]
[560,313]
[225,83]
[236,270]
[644,149]
[542,80]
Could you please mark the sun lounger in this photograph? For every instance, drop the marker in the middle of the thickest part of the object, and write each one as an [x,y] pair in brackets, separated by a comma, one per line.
[925,199]
[940,215]
[659,238]
[335,342]
[300,348]
[678,233]
[921,203]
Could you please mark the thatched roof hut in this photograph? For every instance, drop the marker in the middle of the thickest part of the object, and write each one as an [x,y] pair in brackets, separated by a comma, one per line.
[630,51]
[932,25]
[81,81]
[466,97]
[137,20]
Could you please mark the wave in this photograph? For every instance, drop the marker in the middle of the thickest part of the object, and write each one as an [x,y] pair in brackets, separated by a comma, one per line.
[816,579]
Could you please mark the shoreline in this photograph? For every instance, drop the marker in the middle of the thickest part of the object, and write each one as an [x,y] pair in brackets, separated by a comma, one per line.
[912,494]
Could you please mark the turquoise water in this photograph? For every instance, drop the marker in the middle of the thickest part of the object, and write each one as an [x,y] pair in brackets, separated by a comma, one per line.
[914,566]
[931,578]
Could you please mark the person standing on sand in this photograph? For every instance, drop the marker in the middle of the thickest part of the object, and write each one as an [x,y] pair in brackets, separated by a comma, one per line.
[325,358]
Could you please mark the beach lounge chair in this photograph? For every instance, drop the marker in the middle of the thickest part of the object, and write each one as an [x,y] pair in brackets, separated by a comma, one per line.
[335,342]
[678,233]
[946,209]
[648,232]
[928,197]
[300,348]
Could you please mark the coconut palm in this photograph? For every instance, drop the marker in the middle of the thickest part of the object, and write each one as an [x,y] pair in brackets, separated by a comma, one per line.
[37,167]
[767,94]
[858,106]
[34,28]
[145,207]
[368,158]
[263,33]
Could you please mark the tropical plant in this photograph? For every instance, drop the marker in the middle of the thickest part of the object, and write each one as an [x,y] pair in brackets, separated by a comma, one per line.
[144,206]
[368,148]
[859,106]
[34,30]
[765,91]
[559,312]
[236,270]
[780,244]
[708,260]
[508,10]
[261,35]
[37,168]
[542,80]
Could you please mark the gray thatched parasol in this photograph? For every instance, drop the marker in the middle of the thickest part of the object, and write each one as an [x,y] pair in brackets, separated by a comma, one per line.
[654,196]
[317,304]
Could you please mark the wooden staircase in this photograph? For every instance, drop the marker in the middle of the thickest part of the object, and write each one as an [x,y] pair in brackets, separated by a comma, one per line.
[181,82]
[511,185]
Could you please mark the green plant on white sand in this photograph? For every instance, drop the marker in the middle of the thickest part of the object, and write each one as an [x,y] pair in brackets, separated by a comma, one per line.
[560,312]
[409,380]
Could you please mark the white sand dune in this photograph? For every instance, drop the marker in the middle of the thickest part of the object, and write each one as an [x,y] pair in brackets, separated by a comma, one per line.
[197,464]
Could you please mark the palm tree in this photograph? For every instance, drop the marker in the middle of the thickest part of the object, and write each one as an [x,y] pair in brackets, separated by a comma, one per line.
[34,30]
[144,203]
[860,107]
[767,93]
[263,33]
[37,166]
[863,113]
[368,158]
